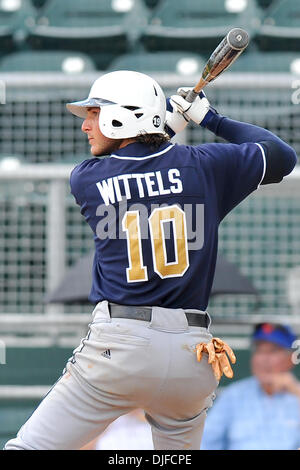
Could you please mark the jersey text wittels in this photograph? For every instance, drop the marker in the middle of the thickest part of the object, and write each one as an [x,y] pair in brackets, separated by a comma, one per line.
[147,184]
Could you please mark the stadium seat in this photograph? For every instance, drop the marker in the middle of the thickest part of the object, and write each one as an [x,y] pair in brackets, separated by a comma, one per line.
[197,25]
[283,62]
[100,28]
[47,61]
[34,365]
[182,63]
[151,3]
[280,29]
[39,3]
[13,415]
[265,3]
[15,17]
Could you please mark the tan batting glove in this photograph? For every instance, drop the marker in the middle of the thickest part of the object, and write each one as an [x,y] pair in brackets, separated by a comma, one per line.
[217,351]
[195,111]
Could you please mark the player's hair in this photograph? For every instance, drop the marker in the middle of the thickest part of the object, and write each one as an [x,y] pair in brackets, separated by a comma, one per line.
[154,141]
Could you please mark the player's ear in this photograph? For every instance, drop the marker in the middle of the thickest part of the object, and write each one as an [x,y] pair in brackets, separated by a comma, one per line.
[290,361]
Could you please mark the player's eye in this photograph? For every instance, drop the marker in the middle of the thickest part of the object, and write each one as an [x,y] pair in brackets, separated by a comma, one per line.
[93,112]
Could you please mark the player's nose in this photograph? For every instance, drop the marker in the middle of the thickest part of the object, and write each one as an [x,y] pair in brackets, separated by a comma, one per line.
[86,125]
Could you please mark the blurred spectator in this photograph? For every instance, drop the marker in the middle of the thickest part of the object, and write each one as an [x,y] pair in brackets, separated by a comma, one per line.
[129,432]
[263,411]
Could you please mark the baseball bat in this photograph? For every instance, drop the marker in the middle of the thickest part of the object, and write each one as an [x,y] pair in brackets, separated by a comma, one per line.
[229,49]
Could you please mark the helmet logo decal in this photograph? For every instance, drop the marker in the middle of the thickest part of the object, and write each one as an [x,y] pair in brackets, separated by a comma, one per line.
[156,121]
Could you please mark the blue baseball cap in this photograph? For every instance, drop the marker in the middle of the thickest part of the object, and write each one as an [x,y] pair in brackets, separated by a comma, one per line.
[282,335]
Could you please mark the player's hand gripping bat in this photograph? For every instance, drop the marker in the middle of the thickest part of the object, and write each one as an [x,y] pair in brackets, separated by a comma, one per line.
[229,49]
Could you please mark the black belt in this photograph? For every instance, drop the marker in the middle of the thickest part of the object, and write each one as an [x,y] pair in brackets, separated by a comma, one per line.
[145,313]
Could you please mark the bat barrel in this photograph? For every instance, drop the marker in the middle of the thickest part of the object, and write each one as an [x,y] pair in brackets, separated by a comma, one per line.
[238,38]
[229,49]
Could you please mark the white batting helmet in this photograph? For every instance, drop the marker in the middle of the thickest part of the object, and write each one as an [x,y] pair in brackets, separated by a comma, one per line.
[131,103]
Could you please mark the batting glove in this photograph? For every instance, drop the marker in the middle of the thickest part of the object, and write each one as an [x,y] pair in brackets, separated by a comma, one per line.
[198,111]
[217,351]
[175,122]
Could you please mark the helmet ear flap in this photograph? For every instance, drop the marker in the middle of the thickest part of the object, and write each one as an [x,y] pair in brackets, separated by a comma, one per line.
[117,122]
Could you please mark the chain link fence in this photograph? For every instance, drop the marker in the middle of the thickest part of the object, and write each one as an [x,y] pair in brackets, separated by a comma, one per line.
[261,235]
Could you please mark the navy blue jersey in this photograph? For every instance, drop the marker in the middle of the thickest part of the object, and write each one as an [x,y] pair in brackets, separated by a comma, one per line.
[155,218]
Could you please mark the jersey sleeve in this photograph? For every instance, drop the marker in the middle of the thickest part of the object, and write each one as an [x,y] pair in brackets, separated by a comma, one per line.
[79,178]
[236,169]
[75,185]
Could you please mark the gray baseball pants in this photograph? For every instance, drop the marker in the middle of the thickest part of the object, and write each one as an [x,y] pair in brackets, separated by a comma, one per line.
[124,364]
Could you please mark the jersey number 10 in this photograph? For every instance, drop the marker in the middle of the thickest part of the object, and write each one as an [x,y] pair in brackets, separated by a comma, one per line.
[137,272]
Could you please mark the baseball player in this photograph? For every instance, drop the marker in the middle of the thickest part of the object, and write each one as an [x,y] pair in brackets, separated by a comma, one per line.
[154,209]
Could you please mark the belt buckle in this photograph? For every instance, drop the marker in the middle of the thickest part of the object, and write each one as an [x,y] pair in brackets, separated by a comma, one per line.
[197,319]
[143,313]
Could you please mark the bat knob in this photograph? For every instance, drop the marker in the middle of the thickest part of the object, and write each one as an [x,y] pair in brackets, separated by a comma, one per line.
[191,96]
[238,38]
